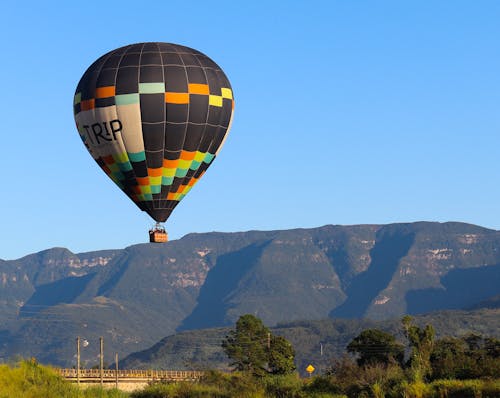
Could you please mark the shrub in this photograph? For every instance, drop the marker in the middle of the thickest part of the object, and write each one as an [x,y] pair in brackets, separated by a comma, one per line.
[238,384]
[98,392]
[377,390]
[28,379]
[213,384]
[466,388]
[284,386]
[417,389]
[468,357]
[180,390]
[322,385]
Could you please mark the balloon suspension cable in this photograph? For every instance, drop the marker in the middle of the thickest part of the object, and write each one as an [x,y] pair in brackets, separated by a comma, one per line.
[158,227]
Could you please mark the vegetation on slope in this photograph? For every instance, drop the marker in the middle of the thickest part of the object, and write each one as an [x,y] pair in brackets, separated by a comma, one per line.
[136,296]
[28,379]
[253,348]
[447,367]
[314,341]
[435,368]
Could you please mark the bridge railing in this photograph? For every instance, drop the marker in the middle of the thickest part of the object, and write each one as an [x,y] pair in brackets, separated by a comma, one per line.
[131,374]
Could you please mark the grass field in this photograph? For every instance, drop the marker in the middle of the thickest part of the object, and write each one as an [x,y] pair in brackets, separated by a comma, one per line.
[28,379]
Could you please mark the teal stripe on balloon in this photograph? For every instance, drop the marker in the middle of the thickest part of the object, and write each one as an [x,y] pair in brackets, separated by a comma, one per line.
[208,157]
[151,88]
[195,165]
[127,99]
[119,175]
[125,166]
[167,180]
[137,156]
[181,173]
[155,188]
[78,98]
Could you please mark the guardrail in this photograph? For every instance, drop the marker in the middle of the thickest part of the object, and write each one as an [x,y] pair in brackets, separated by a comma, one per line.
[124,374]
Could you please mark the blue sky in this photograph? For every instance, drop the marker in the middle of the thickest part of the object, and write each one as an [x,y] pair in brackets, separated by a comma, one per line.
[347,112]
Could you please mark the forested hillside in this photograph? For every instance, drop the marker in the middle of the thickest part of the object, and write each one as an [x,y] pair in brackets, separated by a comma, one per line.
[136,296]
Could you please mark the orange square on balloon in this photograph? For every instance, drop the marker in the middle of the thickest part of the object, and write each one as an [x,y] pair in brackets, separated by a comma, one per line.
[143,180]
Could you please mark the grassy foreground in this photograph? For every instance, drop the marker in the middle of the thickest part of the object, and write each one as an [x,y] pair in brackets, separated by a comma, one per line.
[31,380]
[218,385]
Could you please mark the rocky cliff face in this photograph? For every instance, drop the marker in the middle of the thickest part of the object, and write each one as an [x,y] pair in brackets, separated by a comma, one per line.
[140,294]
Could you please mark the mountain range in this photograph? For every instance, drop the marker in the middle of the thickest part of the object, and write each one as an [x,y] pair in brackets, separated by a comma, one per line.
[138,295]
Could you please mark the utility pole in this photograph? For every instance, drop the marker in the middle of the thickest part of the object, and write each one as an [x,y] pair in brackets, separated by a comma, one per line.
[78,360]
[269,341]
[116,370]
[101,359]
[321,348]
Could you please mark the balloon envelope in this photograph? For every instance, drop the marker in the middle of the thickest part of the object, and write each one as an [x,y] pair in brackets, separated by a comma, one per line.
[154,117]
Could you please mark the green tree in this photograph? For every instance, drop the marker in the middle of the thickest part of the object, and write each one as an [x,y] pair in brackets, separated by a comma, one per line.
[448,357]
[374,346]
[246,345]
[421,343]
[253,348]
[492,347]
[281,356]
[469,357]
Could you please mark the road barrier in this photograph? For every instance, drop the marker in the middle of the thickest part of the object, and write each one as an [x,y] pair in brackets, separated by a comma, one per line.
[112,375]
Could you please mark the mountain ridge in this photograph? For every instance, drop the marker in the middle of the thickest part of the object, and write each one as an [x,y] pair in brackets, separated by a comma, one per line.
[138,295]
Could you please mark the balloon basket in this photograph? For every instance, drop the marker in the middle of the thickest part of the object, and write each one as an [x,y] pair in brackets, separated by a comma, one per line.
[157,234]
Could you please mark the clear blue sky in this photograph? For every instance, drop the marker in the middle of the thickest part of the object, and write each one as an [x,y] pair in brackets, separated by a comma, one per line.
[347,112]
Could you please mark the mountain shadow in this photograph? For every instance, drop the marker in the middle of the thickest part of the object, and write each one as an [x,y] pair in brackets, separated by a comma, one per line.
[221,281]
[455,294]
[114,275]
[492,302]
[390,247]
[63,291]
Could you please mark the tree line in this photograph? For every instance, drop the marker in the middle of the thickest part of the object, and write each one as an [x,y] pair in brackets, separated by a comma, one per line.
[374,360]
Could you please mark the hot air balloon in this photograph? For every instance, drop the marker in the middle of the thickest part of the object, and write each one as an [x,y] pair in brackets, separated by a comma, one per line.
[154,116]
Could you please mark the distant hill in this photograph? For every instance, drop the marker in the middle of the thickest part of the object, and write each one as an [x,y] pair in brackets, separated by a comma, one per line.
[316,342]
[136,296]
[492,302]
